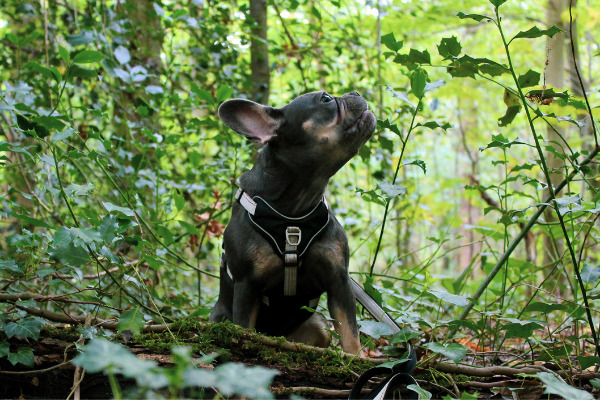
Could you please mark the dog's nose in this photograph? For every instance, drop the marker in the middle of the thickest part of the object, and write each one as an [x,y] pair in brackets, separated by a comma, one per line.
[355,93]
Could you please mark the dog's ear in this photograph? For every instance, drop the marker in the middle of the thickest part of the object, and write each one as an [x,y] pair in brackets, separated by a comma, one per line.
[253,120]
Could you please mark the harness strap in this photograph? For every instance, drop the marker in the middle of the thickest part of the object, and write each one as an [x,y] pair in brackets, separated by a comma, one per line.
[246,201]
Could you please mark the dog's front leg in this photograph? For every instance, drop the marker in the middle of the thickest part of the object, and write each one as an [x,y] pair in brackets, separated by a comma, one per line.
[245,304]
[342,308]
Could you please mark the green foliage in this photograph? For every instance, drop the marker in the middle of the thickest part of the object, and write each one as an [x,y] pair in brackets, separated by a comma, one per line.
[117,177]
[101,355]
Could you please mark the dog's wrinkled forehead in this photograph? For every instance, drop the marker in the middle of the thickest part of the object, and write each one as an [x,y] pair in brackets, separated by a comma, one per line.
[316,107]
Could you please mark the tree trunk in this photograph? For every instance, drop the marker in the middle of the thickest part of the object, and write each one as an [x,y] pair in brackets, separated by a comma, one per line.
[259,63]
[554,78]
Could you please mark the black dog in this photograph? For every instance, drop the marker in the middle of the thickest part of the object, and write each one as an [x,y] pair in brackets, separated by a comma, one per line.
[283,246]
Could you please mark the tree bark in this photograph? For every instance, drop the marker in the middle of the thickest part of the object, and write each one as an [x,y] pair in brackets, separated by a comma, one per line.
[259,63]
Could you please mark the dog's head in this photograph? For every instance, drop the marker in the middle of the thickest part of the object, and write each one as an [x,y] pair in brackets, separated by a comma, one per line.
[314,127]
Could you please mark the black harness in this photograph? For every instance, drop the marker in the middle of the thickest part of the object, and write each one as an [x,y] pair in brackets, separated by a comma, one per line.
[290,237]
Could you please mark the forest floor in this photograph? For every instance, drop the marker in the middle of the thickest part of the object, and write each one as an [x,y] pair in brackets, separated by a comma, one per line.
[302,370]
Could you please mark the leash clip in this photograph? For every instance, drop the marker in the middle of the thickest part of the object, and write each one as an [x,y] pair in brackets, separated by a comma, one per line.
[293,235]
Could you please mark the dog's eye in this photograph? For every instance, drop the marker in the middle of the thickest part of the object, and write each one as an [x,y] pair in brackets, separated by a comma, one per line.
[325,98]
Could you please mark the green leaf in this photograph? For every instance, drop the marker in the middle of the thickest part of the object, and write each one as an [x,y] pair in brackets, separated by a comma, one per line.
[102,355]
[520,329]
[530,78]
[202,94]
[419,163]
[567,204]
[391,191]
[50,73]
[77,71]
[32,221]
[224,92]
[179,200]
[453,351]
[497,3]
[233,378]
[10,265]
[544,307]
[122,55]
[24,355]
[449,47]
[418,80]
[391,43]
[476,17]
[450,298]
[406,334]
[64,53]
[65,134]
[555,385]
[88,57]
[422,393]
[4,348]
[434,85]
[590,274]
[82,38]
[25,328]
[71,255]
[110,207]
[435,125]
[132,320]
[375,329]
[588,361]
[536,32]
[509,116]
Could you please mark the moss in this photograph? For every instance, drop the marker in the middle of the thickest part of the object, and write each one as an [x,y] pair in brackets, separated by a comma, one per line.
[68,333]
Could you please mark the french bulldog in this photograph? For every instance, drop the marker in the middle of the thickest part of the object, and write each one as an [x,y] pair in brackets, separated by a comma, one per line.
[305,143]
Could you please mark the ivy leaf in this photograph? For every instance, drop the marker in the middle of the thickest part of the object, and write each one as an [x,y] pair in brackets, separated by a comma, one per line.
[24,355]
[375,329]
[132,320]
[233,378]
[25,328]
[391,43]
[453,351]
[88,57]
[4,348]
[536,32]
[530,78]
[555,385]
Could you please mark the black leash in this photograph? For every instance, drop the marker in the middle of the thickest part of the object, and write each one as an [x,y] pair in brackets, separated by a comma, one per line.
[397,376]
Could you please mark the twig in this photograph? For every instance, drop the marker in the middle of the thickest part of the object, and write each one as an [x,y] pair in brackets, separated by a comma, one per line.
[506,384]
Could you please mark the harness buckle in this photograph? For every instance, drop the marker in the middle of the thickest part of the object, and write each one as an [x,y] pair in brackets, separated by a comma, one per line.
[293,235]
